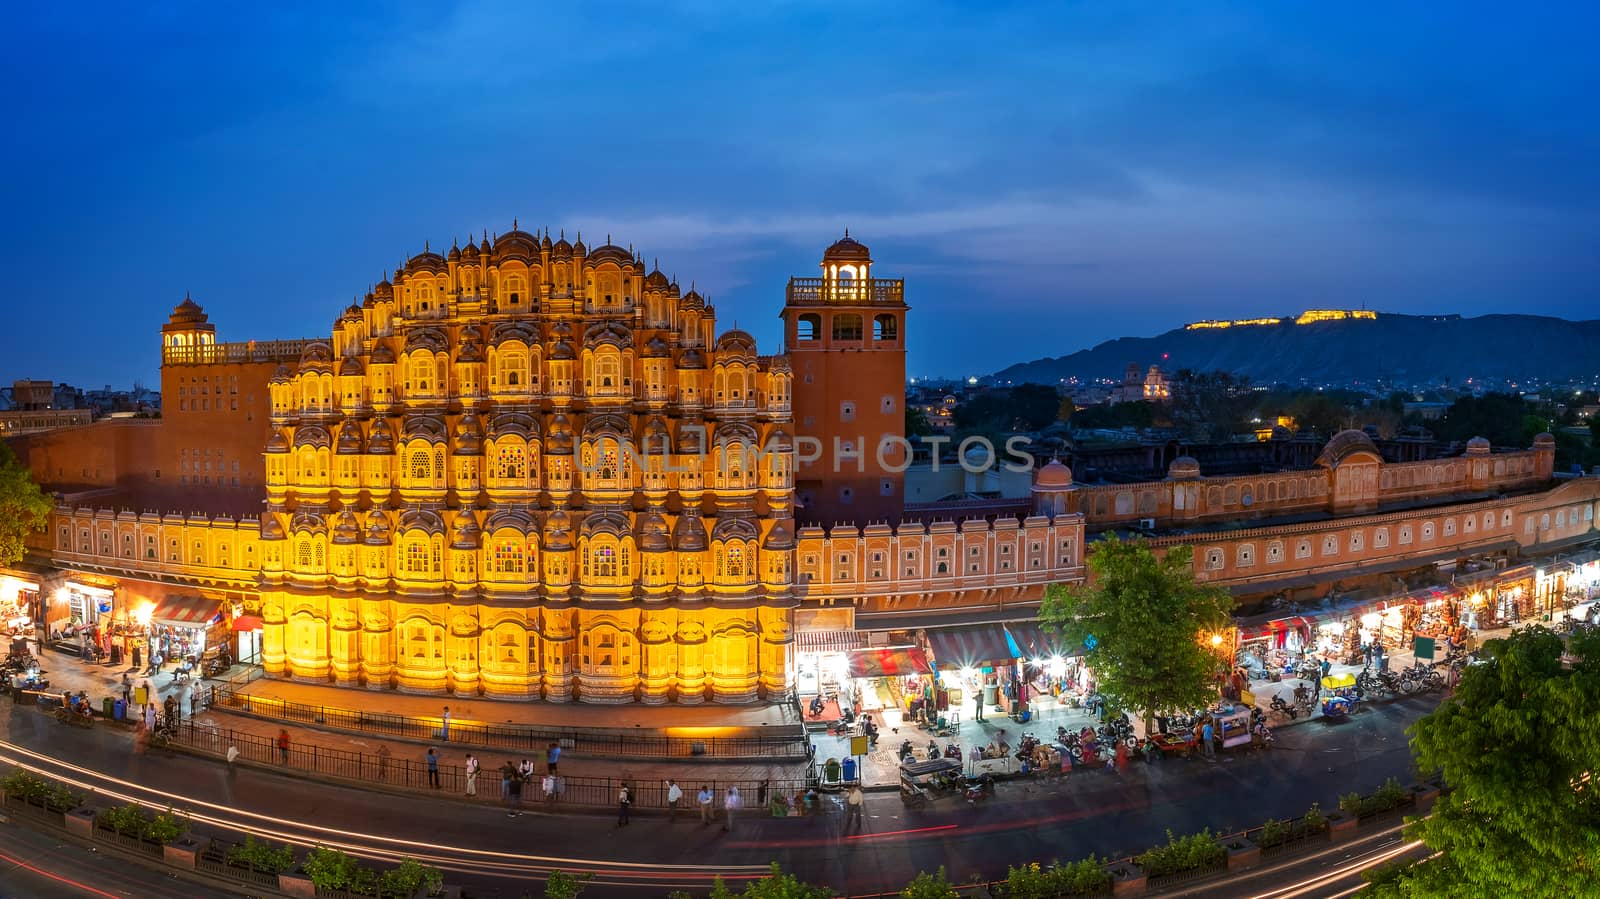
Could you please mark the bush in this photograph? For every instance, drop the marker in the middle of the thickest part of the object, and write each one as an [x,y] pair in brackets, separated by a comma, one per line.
[1275,832]
[259,855]
[35,791]
[1315,820]
[128,820]
[165,827]
[777,885]
[561,885]
[1083,877]
[331,869]
[1197,850]
[930,886]
[1389,796]
[406,878]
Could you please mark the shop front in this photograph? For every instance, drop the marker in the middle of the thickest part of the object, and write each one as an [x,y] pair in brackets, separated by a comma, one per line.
[1054,676]
[73,618]
[183,626]
[977,664]
[19,605]
[894,680]
[247,638]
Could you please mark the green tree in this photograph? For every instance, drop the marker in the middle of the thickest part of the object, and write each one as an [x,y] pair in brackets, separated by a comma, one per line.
[561,885]
[1148,619]
[24,508]
[917,422]
[1211,406]
[777,885]
[1518,744]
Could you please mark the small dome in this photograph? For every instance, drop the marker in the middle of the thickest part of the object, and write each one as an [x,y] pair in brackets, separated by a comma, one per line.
[466,532]
[382,355]
[349,438]
[1345,444]
[187,312]
[690,534]
[1053,476]
[278,442]
[561,249]
[578,249]
[691,359]
[656,281]
[281,375]
[271,529]
[1544,438]
[378,531]
[847,249]
[470,352]
[562,351]
[350,368]
[781,537]
[559,440]
[469,437]
[380,442]
[652,533]
[383,290]
[656,348]
[455,253]
[693,300]
[470,251]
[557,531]
[1478,446]
[345,528]
[691,438]
[1183,468]
[736,341]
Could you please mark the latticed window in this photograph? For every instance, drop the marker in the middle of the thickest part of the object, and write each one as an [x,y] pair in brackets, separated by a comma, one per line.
[605,562]
[513,463]
[735,563]
[420,467]
[302,554]
[416,557]
[508,557]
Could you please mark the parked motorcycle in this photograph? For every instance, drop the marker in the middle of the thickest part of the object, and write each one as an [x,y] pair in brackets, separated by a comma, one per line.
[978,788]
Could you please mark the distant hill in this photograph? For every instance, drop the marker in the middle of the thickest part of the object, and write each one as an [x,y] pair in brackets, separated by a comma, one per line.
[1397,347]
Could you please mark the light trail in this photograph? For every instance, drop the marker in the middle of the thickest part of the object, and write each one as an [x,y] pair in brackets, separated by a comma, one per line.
[463,859]
[57,877]
[896,833]
[1329,878]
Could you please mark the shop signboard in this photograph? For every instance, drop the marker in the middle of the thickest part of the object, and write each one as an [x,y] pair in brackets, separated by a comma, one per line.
[1422,648]
[858,745]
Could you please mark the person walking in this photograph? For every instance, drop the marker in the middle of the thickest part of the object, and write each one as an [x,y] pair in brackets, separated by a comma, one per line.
[551,757]
[977,703]
[704,798]
[852,804]
[730,805]
[472,776]
[1207,732]
[624,800]
[233,756]
[674,796]
[444,728]
[150,717]
[383,762]
[514,783]
[127,691]
[283,745]
[433,768]
[550,788]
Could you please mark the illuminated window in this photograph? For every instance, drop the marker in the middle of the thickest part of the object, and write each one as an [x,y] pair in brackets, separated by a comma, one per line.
[508,557]
[421,468]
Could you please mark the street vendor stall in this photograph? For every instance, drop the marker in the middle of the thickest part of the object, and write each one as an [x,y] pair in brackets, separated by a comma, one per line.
[1233,726]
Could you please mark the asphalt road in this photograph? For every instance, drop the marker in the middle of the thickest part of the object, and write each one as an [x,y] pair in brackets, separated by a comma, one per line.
[1065,818]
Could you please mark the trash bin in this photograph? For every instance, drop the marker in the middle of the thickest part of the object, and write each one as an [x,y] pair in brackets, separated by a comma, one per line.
[849,771]
[120,710]
[108,708]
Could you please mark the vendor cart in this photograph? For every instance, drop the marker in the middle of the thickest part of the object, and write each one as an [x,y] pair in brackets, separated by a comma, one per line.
[1233,726]
[1338,696]
[1174,744]
[921,781]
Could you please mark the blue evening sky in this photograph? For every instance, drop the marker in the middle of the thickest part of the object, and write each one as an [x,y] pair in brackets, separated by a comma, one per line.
[1045,176]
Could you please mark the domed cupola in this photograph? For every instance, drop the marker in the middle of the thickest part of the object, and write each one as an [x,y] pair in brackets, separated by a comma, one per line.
[691,360]
[345,528]
[557,532]
[847,249]
[466,534]
[349,439]
[689,535]
[652,533]
[469,436]
[781,537]
[1184,468]
[559,440]
[271,528]
[382,354]
[278,442]
[656,349]
[378,531]
[380,441]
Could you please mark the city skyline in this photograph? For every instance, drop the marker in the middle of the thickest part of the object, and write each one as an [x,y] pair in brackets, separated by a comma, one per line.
[1112,178]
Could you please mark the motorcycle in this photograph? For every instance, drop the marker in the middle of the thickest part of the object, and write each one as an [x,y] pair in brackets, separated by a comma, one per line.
[978,788]
[69,715]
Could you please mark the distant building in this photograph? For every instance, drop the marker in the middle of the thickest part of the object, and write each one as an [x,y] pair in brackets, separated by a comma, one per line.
[1151,386]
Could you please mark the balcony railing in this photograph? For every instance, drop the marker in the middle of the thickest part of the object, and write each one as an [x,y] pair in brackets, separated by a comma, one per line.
[247,351]
[871,291]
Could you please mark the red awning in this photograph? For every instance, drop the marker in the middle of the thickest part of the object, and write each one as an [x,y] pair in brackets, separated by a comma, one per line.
[247,623]
[185,611]
[828,641]
[888,662]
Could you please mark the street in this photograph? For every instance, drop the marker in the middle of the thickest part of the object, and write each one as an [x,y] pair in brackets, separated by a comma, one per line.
[1050,818]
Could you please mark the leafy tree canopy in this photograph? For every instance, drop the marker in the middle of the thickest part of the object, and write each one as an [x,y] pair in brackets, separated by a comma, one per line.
[1148,619]
[1211,406]
[1025,407]
[24,508]
[1518,744]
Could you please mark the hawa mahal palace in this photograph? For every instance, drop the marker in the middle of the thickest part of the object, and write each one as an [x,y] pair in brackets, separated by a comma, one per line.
[532,469]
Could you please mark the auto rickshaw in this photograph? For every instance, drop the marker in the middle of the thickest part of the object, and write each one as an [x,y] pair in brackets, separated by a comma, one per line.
[1338,696]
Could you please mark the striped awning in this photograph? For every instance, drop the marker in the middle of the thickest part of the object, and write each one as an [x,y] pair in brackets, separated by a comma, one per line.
[1034,642]
[829,641]
[185,611]
[888,661]
[971,646]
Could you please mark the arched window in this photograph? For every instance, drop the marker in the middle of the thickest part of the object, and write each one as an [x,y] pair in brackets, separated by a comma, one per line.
[513,368]
[438,463]
[808,327]
[417,558]
[302,554]
[422,375]
[885,328]
[735,562]
[605,563]
[421,467]
[514,290]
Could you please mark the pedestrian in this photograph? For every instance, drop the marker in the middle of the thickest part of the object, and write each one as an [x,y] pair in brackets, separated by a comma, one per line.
[526,771]
[1206,733]
[730,804]
[194,701]
[514,788]
[550,787]
[852,803]
[383,762]
[704,798]
[233,756]
[127,690]
[472,777]
[624,800]
[977,703]
[433,768]
[551,757]
[170,708]
[283,744]
[150,717]
[674,796]
[444,728]
[136,655]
